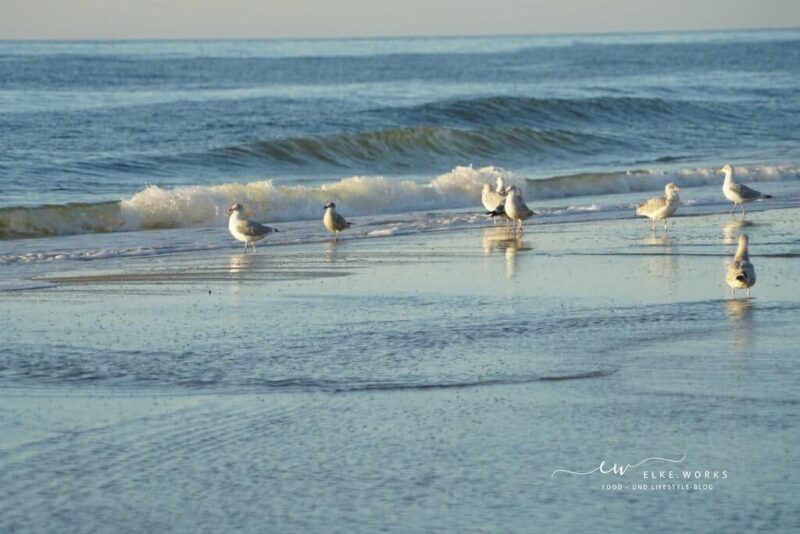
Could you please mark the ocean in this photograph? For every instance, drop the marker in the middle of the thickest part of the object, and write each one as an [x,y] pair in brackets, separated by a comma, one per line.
[119,135]
[431,371]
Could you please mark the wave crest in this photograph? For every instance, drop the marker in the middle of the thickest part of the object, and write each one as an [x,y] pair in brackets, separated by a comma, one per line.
[194,206]
[529,110]
[409,147]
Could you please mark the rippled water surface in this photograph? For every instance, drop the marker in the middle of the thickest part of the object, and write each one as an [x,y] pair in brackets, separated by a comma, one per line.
[363,385]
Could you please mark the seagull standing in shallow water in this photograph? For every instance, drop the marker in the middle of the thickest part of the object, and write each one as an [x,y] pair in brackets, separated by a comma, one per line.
[741,273]
[492,200]
[738,193]
[244,229]
[661,207]
[333,221]
[515,207]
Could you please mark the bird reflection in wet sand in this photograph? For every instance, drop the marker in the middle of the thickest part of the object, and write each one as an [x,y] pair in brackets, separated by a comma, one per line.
[240,263]
[657,240]
[730,233]
[332,251]
[659,259]
[740,320]
[505,240]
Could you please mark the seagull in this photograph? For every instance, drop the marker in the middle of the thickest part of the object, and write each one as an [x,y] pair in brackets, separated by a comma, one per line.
[741,273]
[515,207]
[738,193]
[244,229]
[334,221]
[492,200]
[661,207]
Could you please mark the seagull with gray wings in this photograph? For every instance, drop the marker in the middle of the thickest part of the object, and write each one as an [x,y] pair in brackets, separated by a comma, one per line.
[741,274]
[245,230]
[739,194]
[333,221]
[661,207]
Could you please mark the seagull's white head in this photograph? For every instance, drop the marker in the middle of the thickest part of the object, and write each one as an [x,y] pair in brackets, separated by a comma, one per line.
[672,188]
[235,208]
[330,205]
[727,169]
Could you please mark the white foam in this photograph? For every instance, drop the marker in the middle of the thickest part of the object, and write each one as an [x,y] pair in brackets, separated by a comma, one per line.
[649,180]
[94,254]
[591,207]
[398,229]
[356,196]
[155,207]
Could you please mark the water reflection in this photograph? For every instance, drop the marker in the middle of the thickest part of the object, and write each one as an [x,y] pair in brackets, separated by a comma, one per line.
[332,252]
[660,260]
[740,320]
[505,240]
[730,233]
[657,240]
[240,264]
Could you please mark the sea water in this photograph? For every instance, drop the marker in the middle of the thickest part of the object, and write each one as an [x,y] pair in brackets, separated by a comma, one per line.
[432,370]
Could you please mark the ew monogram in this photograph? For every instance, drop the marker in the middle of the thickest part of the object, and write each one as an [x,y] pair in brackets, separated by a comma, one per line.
[617,469]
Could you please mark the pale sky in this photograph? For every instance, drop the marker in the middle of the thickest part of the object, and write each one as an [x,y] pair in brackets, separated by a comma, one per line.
[150,19]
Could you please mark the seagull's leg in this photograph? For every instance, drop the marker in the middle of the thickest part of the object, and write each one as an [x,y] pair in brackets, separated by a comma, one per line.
[748,292]
[337,236]
[254,246]
[245,248]
[734,208]
[744,211]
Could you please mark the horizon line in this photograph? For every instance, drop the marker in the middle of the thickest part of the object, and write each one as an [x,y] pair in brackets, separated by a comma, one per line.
[398,36]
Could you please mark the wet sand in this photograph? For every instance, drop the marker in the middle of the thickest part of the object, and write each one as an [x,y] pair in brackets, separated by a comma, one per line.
[423,382]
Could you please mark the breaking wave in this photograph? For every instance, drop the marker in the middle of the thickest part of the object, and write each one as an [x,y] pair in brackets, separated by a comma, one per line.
[197,206]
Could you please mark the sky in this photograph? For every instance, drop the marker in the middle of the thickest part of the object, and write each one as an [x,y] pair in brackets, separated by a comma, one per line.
[182,19]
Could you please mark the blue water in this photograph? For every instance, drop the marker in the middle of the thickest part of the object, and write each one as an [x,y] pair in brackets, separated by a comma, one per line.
[153,377]
[94,121]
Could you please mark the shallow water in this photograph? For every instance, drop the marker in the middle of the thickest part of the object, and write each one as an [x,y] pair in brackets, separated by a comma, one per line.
[415,382]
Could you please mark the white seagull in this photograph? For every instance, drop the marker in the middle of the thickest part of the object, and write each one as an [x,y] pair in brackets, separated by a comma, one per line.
[741,273]
[333,221]
[661,207]
[492,200]
[515,207]
[244,229]
[738,193]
